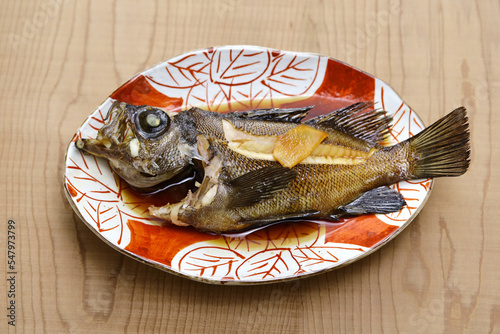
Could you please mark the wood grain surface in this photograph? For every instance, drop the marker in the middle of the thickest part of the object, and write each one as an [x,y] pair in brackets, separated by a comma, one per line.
[59,59]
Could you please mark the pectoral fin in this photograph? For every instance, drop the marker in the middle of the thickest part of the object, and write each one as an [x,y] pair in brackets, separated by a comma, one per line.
[379,200]
[258,185]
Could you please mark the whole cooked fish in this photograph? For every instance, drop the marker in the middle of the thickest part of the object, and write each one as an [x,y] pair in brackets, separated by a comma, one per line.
[268,165]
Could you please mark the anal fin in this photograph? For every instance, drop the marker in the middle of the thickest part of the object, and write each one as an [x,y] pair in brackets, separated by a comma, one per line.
[379,200]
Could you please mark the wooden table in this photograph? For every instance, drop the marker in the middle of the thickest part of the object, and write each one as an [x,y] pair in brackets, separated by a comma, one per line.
[59,59]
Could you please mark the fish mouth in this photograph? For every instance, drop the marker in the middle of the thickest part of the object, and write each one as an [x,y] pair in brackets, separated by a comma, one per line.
[111,138]
[130,170]
[118,126]
[133,170]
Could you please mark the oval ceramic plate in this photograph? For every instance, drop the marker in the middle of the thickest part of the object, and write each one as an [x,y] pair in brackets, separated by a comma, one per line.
[234,78]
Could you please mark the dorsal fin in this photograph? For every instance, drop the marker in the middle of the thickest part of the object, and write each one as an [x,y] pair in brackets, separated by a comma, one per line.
[293,115]
[358,120]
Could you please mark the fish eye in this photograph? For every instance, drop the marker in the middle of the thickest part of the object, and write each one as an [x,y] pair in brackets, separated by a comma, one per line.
[151,123]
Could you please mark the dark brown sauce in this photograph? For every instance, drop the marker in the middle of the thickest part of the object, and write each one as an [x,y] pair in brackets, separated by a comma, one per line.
[332,225]
[167,192]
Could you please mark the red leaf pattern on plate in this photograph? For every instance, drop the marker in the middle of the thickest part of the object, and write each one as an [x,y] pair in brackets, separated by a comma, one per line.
[269,263]
[238,78]
[186,73]
[238,67]
[292,74]
[211,261]
[286,249]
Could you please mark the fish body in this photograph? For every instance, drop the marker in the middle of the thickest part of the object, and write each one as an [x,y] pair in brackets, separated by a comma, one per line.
[268,165]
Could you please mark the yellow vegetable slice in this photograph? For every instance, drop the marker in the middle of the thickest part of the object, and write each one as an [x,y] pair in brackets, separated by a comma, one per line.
[297,144]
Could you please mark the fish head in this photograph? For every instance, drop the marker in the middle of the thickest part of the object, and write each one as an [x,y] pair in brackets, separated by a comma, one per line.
[143,144]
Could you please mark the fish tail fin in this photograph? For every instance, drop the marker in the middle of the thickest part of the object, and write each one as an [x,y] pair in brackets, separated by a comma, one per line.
[443,148]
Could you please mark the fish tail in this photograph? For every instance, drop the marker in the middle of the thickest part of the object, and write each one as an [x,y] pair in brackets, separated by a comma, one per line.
[442,149]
